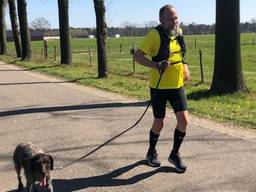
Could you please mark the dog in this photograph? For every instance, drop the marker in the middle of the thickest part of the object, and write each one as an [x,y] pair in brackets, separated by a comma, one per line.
[37,166]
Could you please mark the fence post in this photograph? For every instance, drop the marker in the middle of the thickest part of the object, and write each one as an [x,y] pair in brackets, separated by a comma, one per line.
[45,49]
[133,61]
[108,48]
[132,50]
[55,53]
[42,51]
[201,65]
[90,56]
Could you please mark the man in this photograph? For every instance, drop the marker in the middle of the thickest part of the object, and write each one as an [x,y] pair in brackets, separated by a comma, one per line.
[166,47]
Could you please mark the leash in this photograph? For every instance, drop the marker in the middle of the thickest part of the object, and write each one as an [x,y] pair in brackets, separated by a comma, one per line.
[161,67]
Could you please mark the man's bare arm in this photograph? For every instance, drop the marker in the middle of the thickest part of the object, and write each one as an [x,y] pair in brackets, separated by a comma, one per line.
[139,56]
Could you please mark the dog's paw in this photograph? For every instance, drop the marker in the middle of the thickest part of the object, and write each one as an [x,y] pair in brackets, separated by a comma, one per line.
[50,188]
[20,187]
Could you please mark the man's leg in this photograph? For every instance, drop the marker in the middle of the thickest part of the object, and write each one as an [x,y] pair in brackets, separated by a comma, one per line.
[154,133]
[157,126]
[179,134]
[181,128]
[158,105]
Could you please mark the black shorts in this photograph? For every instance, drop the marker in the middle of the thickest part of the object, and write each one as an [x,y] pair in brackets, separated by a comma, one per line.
[176,97]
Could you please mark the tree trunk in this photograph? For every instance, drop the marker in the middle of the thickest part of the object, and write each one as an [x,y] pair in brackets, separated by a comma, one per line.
[24,30]
[66,56]
[15,27]
[228,76]
[3,41]
[101,34]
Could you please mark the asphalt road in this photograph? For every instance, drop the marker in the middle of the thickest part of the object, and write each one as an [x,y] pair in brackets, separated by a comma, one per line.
[68,121]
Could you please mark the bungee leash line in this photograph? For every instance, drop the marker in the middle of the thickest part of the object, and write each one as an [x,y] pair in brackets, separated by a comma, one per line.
[161,67]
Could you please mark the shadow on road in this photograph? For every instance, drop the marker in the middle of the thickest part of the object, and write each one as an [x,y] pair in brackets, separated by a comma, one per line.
[109,179]
[37,82]
[42,82]
[29,69]
[70,108]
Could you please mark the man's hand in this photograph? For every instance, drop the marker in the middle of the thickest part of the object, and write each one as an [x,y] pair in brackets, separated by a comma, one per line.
[162,66]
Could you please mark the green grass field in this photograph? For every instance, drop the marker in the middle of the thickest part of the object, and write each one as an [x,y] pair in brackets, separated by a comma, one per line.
[238,109]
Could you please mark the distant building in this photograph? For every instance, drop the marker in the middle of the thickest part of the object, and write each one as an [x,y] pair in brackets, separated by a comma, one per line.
[34,35]
[51,38]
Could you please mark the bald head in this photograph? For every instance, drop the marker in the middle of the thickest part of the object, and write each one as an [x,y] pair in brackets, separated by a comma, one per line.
[168,17]
[162,10]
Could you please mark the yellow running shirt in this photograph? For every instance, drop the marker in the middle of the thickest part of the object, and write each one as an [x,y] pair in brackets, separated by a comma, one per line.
[172,78]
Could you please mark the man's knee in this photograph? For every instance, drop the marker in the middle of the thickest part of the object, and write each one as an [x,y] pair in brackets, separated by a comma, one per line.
[182,119]
[158,125]
[159,122]
[183,122]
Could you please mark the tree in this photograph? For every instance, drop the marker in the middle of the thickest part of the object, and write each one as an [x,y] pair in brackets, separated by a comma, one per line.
[3,40]
[253,20]
[24,30]
[101,34]
[151,24]
[66,57]
[227,77]
[40,24]
[15,27]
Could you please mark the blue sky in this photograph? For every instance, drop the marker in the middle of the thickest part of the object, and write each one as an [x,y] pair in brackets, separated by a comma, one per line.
[132,11]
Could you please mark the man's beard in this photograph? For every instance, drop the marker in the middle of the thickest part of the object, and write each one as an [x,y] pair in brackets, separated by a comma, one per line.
[174,31]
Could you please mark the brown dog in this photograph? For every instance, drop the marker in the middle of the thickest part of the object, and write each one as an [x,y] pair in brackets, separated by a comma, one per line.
[36,165]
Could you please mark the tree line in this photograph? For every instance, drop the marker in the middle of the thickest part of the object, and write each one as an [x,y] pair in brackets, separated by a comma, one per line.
[227,77]
[127,31]
[194,29]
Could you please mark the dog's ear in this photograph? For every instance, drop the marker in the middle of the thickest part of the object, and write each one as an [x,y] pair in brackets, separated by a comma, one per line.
[32,162]
[51,160]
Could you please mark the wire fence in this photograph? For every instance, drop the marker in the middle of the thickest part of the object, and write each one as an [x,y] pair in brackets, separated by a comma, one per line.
[200,54]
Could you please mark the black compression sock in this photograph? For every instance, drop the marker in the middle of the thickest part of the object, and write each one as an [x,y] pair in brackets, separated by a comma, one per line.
[178,139]
[153,138]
